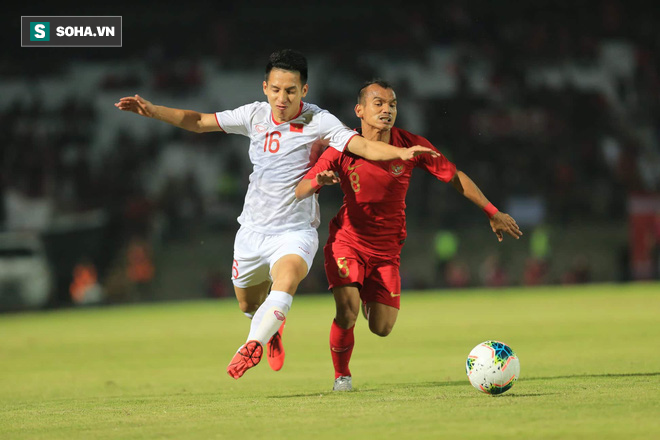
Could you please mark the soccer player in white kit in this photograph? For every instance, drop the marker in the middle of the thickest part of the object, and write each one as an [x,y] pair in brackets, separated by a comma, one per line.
[277,240]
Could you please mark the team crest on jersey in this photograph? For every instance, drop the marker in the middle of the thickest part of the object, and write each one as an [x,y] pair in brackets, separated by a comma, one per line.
[260,128]
[397,168]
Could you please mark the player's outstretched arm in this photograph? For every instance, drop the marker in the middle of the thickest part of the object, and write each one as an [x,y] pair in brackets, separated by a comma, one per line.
[307,187]
[187,119]
[500,222]
[375,150]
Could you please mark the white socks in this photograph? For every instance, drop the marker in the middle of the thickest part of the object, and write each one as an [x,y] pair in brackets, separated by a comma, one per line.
[269,316]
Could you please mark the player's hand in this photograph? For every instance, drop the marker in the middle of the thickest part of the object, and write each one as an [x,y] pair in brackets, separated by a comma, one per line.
[501,223]
[409,153]
[137,104]
[327,177]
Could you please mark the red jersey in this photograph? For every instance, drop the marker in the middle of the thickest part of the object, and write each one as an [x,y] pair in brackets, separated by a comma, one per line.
[372,217]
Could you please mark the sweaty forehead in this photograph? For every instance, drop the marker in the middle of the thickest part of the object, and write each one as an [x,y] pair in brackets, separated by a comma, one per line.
[375,91]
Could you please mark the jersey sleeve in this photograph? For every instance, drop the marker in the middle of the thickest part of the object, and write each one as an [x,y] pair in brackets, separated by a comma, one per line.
[236,121]
[334,131]
[329,160]
[441,167]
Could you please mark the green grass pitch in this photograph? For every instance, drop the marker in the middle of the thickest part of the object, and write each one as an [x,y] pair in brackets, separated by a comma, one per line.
[590,369]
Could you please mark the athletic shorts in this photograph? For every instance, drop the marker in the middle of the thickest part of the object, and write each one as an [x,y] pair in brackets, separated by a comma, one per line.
[255,253]
[377,276]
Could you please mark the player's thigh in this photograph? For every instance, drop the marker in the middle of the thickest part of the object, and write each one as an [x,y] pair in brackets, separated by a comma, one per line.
[287,272]
[382,318]
[343,265]
[381,292]
[347,303]
[250,298]
[292,259]
[382,283]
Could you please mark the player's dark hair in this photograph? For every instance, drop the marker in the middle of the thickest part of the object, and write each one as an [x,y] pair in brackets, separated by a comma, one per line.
[288,59]
[384,84]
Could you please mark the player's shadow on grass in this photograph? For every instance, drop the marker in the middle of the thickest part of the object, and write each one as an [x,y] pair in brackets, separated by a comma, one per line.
[453,383]
[514,394]
[366,388]
[578,376]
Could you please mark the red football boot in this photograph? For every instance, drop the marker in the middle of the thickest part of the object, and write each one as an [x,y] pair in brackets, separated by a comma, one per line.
[245,358]
[275,350]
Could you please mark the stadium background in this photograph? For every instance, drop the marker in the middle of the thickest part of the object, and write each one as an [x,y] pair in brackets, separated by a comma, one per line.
[551,107]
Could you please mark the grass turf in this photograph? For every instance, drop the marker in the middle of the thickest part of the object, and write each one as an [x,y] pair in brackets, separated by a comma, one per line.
[588,370]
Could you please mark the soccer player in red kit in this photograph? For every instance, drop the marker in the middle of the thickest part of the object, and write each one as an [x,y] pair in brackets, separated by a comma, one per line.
[362,254]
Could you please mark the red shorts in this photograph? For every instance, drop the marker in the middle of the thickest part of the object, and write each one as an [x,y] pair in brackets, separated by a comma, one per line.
[377,276]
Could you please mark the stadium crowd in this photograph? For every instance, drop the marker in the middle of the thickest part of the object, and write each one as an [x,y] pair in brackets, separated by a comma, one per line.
[561,108]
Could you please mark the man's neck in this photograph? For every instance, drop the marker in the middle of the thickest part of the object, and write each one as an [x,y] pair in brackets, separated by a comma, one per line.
[374,134]
[287,118]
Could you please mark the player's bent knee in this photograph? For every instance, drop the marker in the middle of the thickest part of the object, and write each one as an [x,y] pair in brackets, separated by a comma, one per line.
[381,329]
[248,307]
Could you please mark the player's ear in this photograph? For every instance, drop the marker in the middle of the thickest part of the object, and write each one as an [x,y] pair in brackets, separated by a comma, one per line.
[265,85]
[305,89]
[358,110]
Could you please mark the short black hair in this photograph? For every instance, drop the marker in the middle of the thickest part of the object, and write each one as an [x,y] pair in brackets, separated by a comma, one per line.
[381,82]
[288,59]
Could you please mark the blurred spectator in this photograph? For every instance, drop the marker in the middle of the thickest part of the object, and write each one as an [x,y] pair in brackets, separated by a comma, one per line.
[579,272]
[445,247]
[140,267]
[655,249]
[216,284]
[457,274]
[536,272]
[539,243]
[85,288]
[492,273]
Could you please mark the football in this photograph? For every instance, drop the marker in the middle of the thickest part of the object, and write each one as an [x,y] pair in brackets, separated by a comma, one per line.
[492,367]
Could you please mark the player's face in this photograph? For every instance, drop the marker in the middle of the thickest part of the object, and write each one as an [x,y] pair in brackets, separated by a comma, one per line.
[284,91]
[378,107]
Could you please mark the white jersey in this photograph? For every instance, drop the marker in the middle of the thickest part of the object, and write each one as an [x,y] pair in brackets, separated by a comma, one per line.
[281,155]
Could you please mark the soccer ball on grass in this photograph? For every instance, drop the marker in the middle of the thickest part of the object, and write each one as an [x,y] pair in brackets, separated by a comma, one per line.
[492,367]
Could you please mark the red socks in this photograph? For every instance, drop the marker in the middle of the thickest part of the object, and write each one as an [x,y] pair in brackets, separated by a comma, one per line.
[341,348]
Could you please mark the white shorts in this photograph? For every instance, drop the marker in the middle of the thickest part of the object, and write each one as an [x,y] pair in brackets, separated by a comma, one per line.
[255,253]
